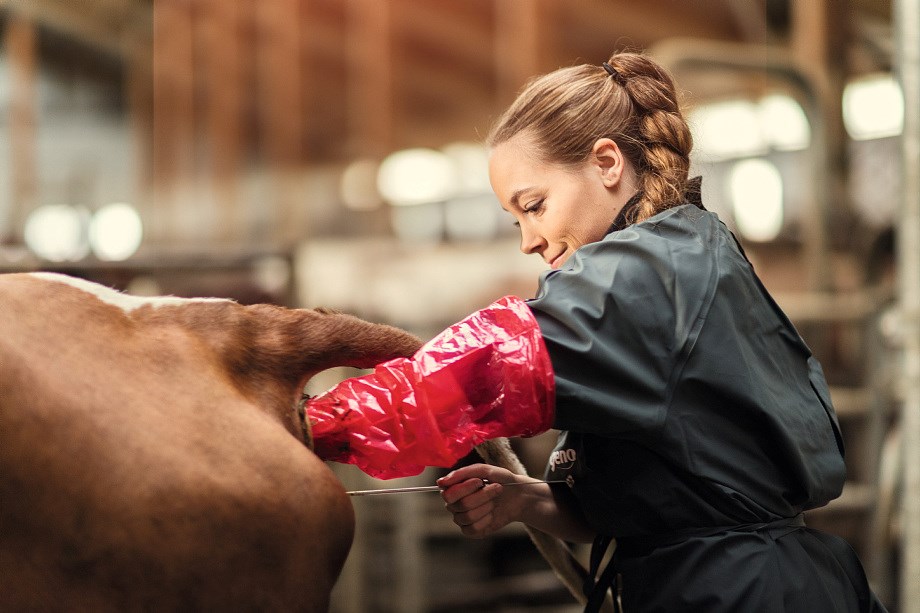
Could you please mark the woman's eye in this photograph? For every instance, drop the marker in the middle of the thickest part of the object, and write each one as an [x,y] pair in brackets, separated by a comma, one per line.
[533,207]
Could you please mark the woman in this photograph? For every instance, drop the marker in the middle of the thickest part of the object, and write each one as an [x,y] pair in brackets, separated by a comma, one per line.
[696,425]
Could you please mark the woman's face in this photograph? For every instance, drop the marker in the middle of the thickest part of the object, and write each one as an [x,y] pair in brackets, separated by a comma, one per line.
[559,209]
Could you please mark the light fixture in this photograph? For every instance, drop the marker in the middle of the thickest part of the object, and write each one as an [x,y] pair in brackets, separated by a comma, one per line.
[727,129]
[755,188]
[416,176]
[115,232]
[57,232]
[873,107]
[783,123]
[741,128]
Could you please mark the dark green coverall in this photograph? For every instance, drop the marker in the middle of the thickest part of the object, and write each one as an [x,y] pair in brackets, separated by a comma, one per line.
[696,425]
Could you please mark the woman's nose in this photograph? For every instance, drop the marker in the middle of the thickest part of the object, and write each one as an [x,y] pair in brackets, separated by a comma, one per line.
[531,242]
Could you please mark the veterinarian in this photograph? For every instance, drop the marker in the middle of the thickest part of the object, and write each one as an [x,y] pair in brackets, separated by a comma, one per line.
[696,426]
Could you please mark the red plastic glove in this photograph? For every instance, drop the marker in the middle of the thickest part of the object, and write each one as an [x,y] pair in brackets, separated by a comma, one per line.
[485,377]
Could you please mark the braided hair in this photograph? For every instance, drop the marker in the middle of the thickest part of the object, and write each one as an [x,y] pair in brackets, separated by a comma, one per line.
[630,99]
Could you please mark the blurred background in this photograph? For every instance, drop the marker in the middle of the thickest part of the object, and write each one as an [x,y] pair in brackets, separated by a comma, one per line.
[328,152]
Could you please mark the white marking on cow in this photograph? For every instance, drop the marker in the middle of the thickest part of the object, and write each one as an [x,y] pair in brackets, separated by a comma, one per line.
[125,302]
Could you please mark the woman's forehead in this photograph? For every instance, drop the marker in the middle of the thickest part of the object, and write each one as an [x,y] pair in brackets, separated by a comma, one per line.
[515,158]
[512,171]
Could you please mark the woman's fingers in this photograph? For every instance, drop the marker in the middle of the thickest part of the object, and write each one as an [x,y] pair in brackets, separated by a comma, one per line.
[480,528]
[495,474]
[471,494]
[461,490]
[465,496]
[471,471]
[474,515]
[478,521]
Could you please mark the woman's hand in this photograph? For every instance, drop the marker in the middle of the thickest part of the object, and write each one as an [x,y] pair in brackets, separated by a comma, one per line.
[480,509]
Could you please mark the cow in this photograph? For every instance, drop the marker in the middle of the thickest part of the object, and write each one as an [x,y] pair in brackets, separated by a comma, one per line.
[151,452]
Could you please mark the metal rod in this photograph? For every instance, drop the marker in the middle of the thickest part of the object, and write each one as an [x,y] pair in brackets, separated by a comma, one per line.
[437,488]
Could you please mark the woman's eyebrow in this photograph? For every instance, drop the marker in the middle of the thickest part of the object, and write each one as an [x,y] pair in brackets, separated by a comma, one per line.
[516,196]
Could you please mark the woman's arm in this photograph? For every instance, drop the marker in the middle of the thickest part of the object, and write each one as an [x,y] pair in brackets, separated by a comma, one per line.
[481,510]
[485,377]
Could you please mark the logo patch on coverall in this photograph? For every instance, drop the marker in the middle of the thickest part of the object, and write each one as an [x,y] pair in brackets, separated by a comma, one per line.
[562,459]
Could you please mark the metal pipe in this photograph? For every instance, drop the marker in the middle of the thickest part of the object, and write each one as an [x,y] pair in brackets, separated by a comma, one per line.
[906,21]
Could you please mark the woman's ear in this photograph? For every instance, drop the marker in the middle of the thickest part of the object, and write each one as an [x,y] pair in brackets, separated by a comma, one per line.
[609,160]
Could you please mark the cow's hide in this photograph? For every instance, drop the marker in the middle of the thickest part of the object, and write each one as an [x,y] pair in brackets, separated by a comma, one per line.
[150,458]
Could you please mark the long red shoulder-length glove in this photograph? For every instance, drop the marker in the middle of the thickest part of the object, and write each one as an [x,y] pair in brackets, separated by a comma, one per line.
[484,377]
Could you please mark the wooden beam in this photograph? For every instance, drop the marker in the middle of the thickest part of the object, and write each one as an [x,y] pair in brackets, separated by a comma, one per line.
[98,22]
[20,44]
[173,110]
[323,41]
[455,28]
[518,45]
[425,92]
[279,78]
[600,27]
[369,98]
[138,87]
[222,64]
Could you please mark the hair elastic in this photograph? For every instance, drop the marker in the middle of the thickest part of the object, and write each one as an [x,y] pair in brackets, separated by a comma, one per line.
[613,73]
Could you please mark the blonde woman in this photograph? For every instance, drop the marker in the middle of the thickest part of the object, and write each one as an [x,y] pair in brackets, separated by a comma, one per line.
[696,426]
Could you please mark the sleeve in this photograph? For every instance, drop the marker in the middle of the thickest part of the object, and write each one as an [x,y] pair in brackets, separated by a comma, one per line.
[618,323]
[485,377]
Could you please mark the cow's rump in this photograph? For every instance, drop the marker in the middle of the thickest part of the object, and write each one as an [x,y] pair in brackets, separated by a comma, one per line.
[149,457]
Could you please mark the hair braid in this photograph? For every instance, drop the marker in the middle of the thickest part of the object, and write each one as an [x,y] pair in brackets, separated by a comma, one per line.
[661,133]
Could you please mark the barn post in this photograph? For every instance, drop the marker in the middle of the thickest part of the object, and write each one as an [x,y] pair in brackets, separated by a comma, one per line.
[907,61]
[21,46]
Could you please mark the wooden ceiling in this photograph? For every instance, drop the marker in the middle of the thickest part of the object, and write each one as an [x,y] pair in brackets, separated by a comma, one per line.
[104,24]
[377,75]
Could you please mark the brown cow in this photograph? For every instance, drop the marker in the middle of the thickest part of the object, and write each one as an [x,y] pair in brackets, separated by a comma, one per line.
[151,457]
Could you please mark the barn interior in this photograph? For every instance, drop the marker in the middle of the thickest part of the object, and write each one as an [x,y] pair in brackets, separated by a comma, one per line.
[329,153]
